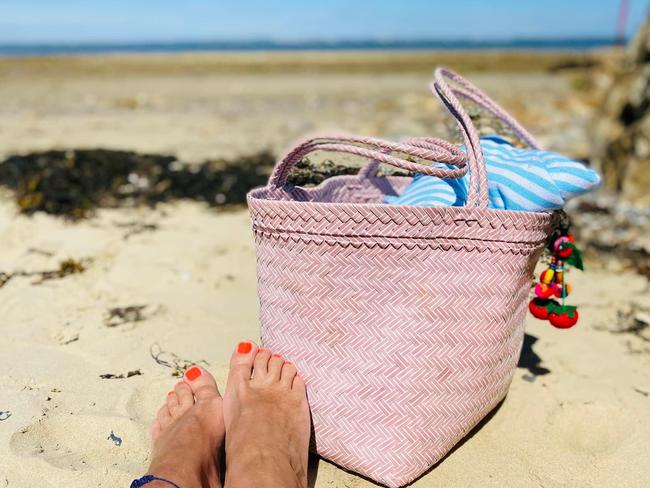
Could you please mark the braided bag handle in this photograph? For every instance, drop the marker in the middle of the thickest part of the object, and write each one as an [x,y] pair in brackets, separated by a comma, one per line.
[448,95]
[467,90]
[380,151]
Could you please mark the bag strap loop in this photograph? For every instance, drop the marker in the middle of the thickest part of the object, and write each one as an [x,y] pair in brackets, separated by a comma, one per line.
[478,187]
[469,91]
[379,151]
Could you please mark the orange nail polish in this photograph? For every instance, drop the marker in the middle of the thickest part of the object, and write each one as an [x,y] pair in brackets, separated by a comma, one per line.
[193,373]
[276,356]
[288,363]
[244,347]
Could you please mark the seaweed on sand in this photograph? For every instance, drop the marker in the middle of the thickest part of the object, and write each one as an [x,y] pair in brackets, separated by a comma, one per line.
[124,315]
[112,376]
[73,183]
[66,267]
[170,360]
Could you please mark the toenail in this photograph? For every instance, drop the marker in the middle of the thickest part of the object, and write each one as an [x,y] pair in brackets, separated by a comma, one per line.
[276,356]
[170,393]
[193,373]
[288,363]
[244,347]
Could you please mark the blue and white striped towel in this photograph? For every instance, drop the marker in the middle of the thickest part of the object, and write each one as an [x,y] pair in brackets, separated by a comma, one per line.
[518,179]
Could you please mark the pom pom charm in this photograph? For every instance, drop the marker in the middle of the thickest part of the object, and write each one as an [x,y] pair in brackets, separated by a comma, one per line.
[561,291]
[540,308]
[560,316]
[565,250]
[559,242]
[547,276]
[552,283]
[563,316]
[544,291]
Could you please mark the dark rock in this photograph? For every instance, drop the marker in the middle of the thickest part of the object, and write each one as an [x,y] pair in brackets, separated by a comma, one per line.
[612,231]
[621,130]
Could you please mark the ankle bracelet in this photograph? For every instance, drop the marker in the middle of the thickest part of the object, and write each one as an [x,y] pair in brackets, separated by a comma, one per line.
[148,479]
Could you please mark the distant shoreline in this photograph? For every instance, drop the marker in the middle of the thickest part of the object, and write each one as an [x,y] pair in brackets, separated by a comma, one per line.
[324,62]
[73,49]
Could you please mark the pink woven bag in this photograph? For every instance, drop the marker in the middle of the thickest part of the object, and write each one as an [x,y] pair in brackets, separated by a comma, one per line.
[405,322]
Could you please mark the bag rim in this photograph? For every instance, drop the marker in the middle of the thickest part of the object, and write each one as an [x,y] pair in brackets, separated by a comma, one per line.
[254,195]
[260,196]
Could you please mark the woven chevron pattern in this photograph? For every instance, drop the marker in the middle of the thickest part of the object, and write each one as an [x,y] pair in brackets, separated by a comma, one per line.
[406,322]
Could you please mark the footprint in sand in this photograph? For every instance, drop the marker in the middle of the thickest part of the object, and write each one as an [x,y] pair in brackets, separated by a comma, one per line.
[591,428]
[81,442]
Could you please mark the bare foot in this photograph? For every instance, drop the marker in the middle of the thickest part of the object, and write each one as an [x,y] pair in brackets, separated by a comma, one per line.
[188,434]
[267,421]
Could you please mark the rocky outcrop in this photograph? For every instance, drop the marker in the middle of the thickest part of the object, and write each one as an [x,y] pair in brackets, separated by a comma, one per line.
[621,131]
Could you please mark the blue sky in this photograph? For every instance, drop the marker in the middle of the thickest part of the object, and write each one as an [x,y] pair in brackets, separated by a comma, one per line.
[33,21]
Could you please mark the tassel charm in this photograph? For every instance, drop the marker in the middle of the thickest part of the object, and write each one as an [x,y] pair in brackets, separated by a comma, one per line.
[552,284]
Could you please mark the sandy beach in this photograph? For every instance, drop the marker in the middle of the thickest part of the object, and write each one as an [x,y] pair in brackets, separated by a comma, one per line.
[86,359]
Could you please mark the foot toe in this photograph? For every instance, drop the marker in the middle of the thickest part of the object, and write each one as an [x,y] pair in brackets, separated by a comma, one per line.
[241,362]
[201,383]
[163,416]
[155,430]
[298,387]
[172,402]
[261,365]
[288,374]
[184,395]
[275,367]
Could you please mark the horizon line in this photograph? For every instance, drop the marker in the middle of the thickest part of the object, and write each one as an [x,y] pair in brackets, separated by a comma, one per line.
[321,41]
[252,45]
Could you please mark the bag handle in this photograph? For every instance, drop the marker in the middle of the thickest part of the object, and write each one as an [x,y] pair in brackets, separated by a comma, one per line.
[379,151]
[469,91]
[370,170]
[478,188]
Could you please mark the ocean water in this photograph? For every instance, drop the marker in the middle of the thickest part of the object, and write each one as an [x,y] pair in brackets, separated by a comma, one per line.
[577,44]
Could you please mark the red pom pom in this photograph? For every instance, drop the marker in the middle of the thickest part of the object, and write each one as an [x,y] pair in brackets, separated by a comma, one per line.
[563,319]
[565,252]
[539,308]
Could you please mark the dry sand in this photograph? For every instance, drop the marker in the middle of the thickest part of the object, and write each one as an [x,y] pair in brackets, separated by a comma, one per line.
[586,423]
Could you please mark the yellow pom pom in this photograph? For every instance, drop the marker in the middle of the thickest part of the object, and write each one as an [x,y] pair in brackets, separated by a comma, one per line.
[547,276]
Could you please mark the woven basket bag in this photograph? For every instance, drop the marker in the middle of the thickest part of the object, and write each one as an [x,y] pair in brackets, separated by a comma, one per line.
[406,322]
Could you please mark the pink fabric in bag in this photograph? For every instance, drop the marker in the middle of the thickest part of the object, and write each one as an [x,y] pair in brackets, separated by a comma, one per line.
[405,322]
